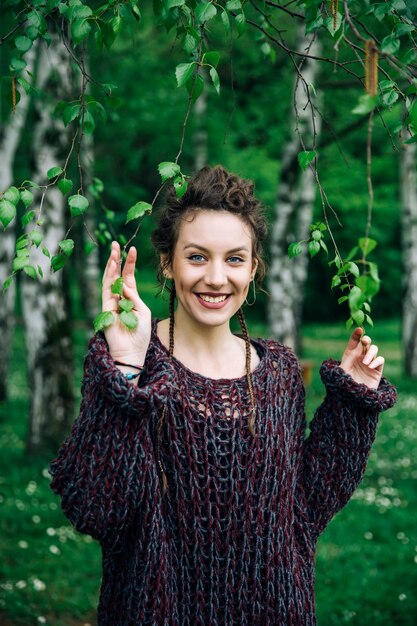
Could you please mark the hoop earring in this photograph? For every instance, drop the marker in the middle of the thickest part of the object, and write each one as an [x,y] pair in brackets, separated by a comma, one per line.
[254,295]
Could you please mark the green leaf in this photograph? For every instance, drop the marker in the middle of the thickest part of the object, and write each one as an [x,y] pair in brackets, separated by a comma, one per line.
[215,78]
[294,249]
[58,261]
[19,263]
[125,305]
[138,210]
[78,204]
[30,271]
[353,268]
[12,194]
[390,97]
[24,83]
[7,212]
[54,171]
[349,323]
[313,248]
[336,280]
[78,11]
[323,245]
[180,185]
[7,283]
[358,317]
[205,12]
[46,252]
[168,169]
[226,22]
[103,320]
[170,4]
[234,5]
[240,20]
[212,58]
[80,29]
[390,44]
[23,44]
[366,104]
[190,42]
[198,84]
[89,123]
[306,157]
[27,197]
[22,242]
[71,112]
[40,271]
[36,236]
[329,24]
[64,185]
[342,299]
[117,286]
[316,234]
[183,72]
[373,271]
[367,245]
[17,65]
[66,246]
[369,320]
[129,319]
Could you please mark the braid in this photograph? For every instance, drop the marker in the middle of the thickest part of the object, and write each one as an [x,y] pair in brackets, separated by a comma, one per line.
[245,334]
[164,410]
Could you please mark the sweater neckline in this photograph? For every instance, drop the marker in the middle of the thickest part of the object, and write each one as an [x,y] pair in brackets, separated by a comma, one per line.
[257,343]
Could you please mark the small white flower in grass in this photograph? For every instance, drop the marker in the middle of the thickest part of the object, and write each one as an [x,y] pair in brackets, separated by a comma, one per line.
[21,584]
[402,597]
[368,535]
[53,506]
[7,586]
[54,549]
[415,559]
[39,585]
[41,619]
[19,505]
[23,544]
[31,488]
[45,473]
[36,519]
[51,531]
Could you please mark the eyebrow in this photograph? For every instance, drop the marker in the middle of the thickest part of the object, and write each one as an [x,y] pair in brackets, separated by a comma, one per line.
[195,245]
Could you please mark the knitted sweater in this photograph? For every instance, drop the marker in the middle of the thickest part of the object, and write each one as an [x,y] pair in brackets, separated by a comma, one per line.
[233,542]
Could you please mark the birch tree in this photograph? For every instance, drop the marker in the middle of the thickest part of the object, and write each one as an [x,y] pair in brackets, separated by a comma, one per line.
[409,230]
[10,136]
[45,306]
[294,205]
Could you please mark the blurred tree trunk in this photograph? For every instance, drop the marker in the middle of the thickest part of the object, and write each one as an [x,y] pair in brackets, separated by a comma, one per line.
[293,210]
[200,132]
[10,136]
[409,229]
[45,305]
[88,258]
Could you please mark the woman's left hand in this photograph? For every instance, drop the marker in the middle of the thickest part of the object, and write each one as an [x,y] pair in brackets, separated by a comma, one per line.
[360,360]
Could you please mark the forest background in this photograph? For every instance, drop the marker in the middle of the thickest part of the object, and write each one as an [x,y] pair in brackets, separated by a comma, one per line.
[367,559]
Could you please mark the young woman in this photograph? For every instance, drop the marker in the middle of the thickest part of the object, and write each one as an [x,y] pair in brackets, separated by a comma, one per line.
[189,461]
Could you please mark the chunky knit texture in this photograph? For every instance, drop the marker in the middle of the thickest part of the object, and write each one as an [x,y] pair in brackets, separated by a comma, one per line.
[233,542]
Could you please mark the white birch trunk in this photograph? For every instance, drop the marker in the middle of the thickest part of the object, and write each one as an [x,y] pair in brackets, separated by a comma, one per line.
[45,308]
[200,133]
[10,135]
[293,214]
[409,236]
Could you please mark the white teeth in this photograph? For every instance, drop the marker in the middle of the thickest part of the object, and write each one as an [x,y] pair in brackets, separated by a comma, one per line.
[211,299]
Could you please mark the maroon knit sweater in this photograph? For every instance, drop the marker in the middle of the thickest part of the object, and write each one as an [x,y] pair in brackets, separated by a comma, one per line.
[233,543]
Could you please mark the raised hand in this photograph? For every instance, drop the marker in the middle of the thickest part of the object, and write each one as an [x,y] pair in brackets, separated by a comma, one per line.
[128,346]
[360,360]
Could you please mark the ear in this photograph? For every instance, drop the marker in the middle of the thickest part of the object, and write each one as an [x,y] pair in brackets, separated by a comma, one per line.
[254,268]
[166,268]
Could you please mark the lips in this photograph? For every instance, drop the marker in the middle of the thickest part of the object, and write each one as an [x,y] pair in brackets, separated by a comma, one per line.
[213,301]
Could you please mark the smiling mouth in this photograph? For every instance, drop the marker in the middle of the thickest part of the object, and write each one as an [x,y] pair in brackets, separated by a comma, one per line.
[214,299]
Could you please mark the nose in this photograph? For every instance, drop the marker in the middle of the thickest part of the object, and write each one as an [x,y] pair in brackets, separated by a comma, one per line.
[215,274]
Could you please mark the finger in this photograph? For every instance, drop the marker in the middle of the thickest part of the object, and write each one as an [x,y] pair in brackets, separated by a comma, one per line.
[110,301]
[370,355]
[132,294]
[377,364]
[115,256]
[355,338]
[129,268]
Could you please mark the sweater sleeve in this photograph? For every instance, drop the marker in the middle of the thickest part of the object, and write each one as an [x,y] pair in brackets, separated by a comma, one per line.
[107,462]
[335,454]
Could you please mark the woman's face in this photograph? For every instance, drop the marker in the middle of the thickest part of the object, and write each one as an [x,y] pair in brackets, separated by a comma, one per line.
[212,266]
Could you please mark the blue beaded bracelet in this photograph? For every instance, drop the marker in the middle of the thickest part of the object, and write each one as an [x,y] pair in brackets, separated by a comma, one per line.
[131,376]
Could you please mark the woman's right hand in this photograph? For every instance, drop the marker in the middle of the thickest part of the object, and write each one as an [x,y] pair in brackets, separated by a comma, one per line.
[127,346]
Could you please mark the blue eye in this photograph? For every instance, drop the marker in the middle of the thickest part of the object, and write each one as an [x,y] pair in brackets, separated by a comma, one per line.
[192,257]
[236,259]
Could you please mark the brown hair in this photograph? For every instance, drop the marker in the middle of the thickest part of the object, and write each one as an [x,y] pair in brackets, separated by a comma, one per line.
[216,189]
[212,188]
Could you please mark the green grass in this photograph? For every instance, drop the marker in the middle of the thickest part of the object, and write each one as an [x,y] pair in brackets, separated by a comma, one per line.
[366,560]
